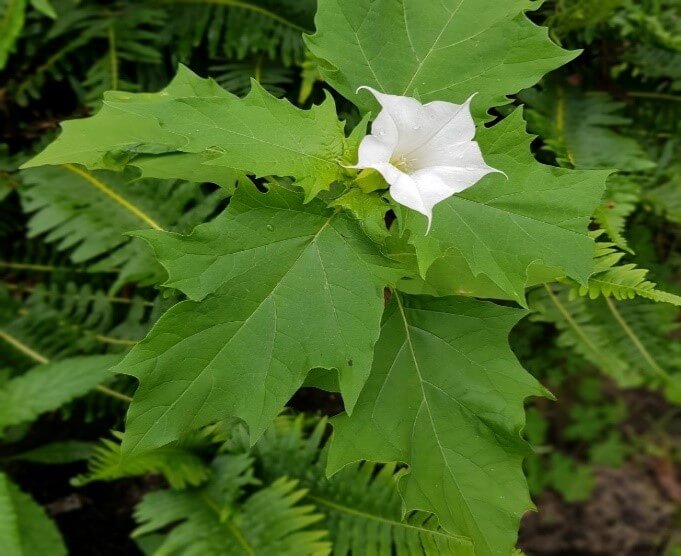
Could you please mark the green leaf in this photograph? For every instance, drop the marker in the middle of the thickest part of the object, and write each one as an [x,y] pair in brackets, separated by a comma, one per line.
[214,519]
[612,451]
[187,166]
[258,134]
[574,481]
[666,198]
[25,529]
[368,209]
[448,51]
[296,286]
[12,16]
[44,7]
[47,387]
[511,228]
[445,396]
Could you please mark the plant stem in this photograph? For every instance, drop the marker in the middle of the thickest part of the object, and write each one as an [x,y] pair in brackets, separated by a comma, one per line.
[113,195]
[113,393]
[636,341]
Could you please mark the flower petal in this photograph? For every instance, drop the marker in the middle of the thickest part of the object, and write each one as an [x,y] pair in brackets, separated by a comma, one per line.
[424,189]
[407,114]
[419,125]
[456,125]
[425,152]
[402,187]
[458,155]
[435,184]
[378,147]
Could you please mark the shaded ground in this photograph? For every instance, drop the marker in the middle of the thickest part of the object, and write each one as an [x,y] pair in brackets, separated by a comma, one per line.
[631,513]
[634,510]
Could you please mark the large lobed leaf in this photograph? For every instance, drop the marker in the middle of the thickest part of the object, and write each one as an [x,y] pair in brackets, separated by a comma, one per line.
[296,286]
[515,230]
[445,396]
[444,50]
[506,232]
[209,131]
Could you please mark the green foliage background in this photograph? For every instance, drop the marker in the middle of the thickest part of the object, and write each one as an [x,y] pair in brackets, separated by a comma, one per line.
[79,291]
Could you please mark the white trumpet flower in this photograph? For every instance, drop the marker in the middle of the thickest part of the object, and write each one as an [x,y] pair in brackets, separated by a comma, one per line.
[425,152]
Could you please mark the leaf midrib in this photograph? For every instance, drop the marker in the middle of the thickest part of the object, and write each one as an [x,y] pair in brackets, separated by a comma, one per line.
[432,48]
[380,519]
[230,525]
[424,403]
[228,343]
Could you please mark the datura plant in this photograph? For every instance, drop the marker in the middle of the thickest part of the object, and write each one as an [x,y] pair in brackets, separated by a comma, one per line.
[362,264]
[426,153]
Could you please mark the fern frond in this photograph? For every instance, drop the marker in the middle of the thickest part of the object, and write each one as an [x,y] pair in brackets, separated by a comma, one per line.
[213,520]
[625,281]
[236,77]
[626,340]
[49,386]
[621,197]
[653,62]
[581,128]
[575,15]
[180,465]
[665,196]
[237,29]
[58,321]
[361,502]
[133,35]
[91,46]
[89,213]
[11,222]
[36,337]
[24,526]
